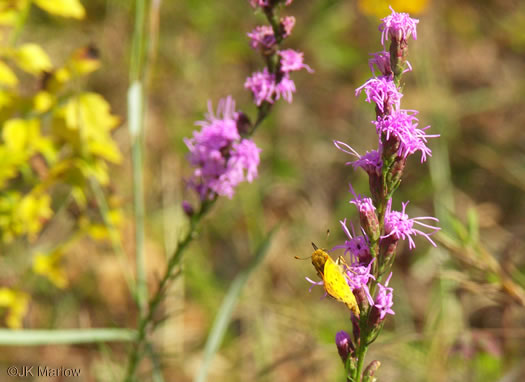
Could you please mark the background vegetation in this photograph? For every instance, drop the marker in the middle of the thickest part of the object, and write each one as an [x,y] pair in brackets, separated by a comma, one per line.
[459,307]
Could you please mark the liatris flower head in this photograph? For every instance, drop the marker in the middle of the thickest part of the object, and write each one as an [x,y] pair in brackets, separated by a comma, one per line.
[401,126]
[292,60]
[367,215]
[344,344]
[222,159]
[287,24]
[381,60]
[263,37]
[399,226]
[264,89]
[398,26]
[371,162]
[357,247]
[383,302]
[268,3]
[383,91]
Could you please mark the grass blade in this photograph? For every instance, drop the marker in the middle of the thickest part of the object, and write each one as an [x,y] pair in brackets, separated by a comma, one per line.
[228,304]
[64,336]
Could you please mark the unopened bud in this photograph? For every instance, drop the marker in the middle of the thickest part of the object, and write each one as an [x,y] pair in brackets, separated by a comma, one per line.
[344,345]
[244,125]
[368,374]
[188,209]
[387,247]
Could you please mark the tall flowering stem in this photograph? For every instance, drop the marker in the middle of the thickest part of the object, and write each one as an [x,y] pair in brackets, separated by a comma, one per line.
[222,153]
[370,254]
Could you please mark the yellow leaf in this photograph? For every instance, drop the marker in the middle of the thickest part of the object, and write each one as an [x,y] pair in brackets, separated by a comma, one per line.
[43,101]
[14,134]
[64,8]
[7,76]
[5,99]
[32,58]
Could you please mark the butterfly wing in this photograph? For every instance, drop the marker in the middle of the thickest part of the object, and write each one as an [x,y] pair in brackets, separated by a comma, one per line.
[336,286]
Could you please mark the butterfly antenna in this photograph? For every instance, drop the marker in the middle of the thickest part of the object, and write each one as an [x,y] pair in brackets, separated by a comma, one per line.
[315,246]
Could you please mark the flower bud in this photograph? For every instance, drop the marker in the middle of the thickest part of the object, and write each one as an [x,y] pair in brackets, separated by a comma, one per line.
[344,345]
[188,209]
[387,247]
[244,125]
[368,374]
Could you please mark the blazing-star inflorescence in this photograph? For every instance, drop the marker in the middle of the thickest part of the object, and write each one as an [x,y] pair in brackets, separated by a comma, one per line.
[221,152]
[370,253]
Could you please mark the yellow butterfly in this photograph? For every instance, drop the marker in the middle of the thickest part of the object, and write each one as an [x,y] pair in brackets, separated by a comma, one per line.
[334,278]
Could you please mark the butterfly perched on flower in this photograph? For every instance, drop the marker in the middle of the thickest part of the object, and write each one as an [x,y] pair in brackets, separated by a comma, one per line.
[334,278]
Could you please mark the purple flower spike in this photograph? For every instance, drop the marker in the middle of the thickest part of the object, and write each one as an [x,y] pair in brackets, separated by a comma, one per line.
[400,226]
[398,26]
[402,125]
[383,92]
[384,300]
[293,61]
[344,345]
[221,158]
[370,162]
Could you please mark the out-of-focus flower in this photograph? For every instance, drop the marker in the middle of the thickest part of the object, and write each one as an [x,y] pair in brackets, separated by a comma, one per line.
[402,126]
[262,36]
[287,23]
[398,26]
[292,60]
[262,85]
[400,226]
[222,159]
[383,91]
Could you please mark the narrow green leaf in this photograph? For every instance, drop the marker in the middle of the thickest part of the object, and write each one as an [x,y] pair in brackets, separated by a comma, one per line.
[228,304]
[31,337]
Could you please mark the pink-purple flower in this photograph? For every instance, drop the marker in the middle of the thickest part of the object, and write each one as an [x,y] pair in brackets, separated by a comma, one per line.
[402,125]
[262,36]
[381,60]
[356,247]
[383,91]
[264,89]
[267,3]
[222,159]
[384,300]
[398,26]
[400,226]
[292,60]
[371,162]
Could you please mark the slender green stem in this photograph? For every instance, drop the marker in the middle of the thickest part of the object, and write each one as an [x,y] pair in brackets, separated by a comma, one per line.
[361,354]
[155,301]
[136,112]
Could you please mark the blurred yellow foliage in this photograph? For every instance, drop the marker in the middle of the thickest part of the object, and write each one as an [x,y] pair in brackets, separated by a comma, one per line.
[54,141]
[16,304]
[48,265]
[64,8]
[32,58]
[380,8]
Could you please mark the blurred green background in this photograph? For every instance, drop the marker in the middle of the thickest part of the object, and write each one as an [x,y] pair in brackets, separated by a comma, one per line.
[459,315]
